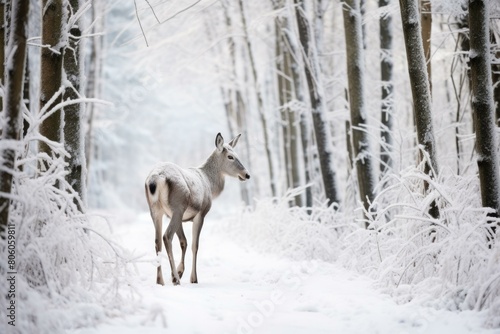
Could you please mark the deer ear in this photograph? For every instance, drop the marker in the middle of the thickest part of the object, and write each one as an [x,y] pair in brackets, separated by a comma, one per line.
[233,142]
[219,142]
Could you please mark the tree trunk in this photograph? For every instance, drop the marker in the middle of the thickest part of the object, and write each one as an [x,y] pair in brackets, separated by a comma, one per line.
[14,79]
[51,68]
[362,11]
[420,88]
[426,17]
[321,125]
[287,94]
[94,75]
[284,98]
[2,51]
[482,104]
[386,66]
[495,69]
[260,102]
[355,72]
[303,129]
[73,114]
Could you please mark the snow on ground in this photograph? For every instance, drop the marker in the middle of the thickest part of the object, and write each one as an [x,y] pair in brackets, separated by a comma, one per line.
[243,291]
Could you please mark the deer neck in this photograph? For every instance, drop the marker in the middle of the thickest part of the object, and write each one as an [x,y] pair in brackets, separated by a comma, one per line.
[212,169]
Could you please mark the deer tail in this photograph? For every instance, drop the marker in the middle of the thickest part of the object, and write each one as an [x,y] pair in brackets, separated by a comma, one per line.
[151,188]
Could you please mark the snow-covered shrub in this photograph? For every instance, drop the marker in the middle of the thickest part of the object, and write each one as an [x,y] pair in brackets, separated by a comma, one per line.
[297,232]
[67,273]
[449,262]
[448,257]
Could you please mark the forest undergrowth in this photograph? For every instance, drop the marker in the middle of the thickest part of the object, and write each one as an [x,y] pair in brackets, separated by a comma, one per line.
[56,258]
[451,262]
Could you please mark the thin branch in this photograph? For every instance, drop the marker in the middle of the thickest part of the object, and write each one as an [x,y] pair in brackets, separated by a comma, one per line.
[152,9]
[181,11]
[140,24]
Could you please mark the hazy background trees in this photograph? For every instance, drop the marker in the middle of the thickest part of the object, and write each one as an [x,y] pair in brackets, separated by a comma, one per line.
[276,61]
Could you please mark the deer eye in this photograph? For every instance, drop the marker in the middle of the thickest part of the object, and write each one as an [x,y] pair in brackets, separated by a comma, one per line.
[230,157]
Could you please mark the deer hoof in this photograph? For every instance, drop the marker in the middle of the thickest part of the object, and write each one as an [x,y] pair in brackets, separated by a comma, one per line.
[175,280]
[160,281]
[180,271]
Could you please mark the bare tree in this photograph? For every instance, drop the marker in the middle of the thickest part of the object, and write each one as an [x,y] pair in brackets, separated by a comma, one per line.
[321,126]
[355,72]
[420,88]
[2,50]
[51,71]
[483,105]
[14,80]
[287,94]
[93,74]
[73,113]
[386,69]
[495,68]
[426,18]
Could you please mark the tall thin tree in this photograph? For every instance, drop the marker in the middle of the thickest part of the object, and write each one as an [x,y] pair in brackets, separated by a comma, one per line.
[14,80]
[2,50]
[321,126]
[51,71]
[386,71]
[355,72]
[73,113]
[482,104]
[420,88]
[426,19]
[287,94]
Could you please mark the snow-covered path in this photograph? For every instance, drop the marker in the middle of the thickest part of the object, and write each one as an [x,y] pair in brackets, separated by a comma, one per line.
[242,291]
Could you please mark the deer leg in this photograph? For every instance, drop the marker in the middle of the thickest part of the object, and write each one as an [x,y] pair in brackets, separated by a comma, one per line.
[157,220]
[173,227]
[197,225]
[183,242]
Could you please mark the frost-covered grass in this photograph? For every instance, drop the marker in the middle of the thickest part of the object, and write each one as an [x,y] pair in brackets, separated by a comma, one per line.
[448,262]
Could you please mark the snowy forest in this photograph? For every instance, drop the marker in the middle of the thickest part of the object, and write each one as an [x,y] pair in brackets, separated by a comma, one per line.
[370,129]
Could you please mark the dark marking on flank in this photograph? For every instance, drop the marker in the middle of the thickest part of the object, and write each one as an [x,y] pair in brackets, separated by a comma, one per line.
[152,187]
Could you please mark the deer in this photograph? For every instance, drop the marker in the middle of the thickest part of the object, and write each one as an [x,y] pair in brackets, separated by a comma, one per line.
[186,194]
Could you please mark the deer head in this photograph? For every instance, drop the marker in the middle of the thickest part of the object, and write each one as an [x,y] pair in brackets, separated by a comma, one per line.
[229,162]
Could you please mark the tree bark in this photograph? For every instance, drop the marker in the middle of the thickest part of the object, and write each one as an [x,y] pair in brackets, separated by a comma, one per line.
[73,114]
[495,69]
[482,104]
[51,71]
[304,130]
[420,88]
[321,125]
[386,69]
[363,157]
[93,73]
[286,93]
[2,51]
[14,80]
[426,18]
